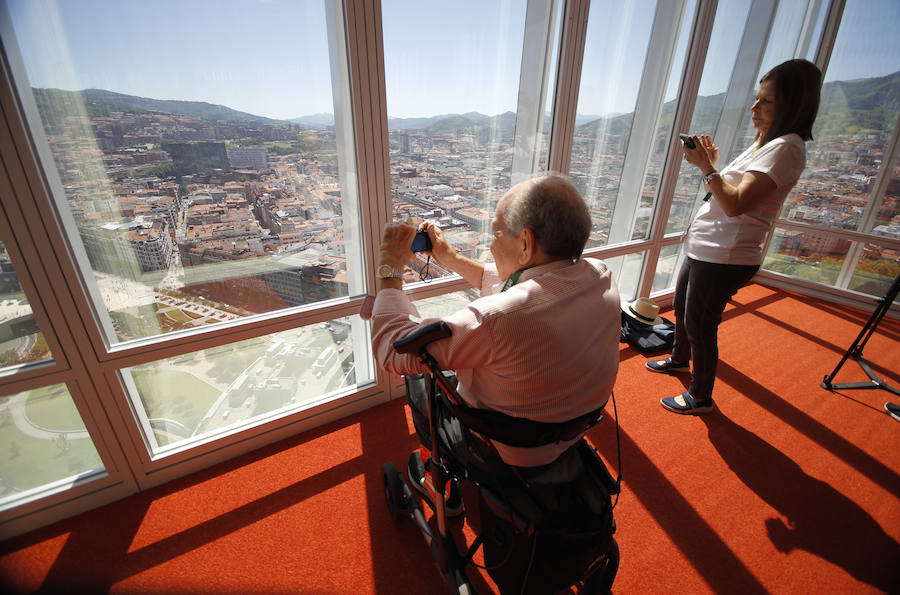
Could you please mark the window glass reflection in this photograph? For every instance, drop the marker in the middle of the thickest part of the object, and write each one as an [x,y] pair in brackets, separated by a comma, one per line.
[876,270]
[807,255]
[43,442]
[445,304]
[667,267]
[618,35]
[857,117]
[686,185]
[627,271]
[21,341]
[731,18]
[202,181]
[452,76]
[184,398]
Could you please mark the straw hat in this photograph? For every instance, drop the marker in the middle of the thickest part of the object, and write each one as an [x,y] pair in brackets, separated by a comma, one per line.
[643,310]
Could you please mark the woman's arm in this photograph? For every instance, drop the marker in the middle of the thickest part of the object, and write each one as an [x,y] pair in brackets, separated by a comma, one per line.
[753,188]
[734,200]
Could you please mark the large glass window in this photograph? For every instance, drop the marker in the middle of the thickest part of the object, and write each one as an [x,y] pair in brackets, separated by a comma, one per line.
[850,182]
[613,76]
[455,74]
[876,269]
[190,397]
[887,214]
[856,121]
[43,443]
[811,256]
[747,39]
[201,178]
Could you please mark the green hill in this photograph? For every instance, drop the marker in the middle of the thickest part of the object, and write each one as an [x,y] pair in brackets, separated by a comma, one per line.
[99,102]
[846,107]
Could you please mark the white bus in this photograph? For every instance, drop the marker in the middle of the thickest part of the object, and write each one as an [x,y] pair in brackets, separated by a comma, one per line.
[325,358]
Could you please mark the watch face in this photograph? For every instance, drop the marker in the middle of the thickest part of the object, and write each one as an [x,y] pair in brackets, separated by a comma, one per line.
[385,271]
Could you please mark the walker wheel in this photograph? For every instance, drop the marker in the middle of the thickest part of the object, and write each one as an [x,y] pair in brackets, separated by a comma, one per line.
[393,491]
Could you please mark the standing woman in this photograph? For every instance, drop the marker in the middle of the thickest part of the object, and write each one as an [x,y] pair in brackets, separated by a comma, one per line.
[724,244]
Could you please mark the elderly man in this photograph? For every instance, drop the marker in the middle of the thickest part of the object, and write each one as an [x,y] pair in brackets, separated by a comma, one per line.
[542,341]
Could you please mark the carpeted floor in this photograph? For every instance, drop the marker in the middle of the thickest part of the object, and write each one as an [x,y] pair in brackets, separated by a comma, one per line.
[786,488]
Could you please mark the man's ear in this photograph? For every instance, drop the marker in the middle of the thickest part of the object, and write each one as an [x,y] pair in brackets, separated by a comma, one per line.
[527,247]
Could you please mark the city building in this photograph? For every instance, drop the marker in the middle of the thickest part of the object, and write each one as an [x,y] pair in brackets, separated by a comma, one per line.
[248,157]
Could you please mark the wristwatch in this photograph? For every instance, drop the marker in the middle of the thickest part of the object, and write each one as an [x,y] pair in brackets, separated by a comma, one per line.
[386,271]
[708,177]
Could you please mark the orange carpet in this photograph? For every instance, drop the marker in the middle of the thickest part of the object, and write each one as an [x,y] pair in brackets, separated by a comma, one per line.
[786,488]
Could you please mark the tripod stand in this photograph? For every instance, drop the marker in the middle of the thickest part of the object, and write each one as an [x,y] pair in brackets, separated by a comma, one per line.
[856,350]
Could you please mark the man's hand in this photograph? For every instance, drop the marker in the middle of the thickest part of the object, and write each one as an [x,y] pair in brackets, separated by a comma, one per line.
[395,244]
[450,259]
[441,249]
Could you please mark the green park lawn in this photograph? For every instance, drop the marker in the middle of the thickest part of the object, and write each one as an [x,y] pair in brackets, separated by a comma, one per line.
[28,462]
[175,395]
[52,408]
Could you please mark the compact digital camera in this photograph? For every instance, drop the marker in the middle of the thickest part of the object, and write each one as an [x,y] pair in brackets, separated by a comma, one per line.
[421,243]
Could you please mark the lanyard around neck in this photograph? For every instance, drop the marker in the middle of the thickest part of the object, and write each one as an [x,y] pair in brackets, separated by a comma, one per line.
[513,279]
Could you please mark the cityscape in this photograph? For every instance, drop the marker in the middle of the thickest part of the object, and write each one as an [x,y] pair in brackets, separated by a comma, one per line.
[189,219]
[245,216]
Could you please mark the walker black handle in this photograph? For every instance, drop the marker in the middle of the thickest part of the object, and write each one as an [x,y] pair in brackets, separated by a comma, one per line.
[416,341]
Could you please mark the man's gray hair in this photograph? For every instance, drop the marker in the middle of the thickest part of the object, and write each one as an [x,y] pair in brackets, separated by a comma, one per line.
[553,209]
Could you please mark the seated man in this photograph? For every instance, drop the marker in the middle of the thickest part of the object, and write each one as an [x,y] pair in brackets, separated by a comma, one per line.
[542,343]
[543,340]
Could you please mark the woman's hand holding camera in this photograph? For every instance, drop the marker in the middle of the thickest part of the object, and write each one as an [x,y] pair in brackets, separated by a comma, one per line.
[705,155]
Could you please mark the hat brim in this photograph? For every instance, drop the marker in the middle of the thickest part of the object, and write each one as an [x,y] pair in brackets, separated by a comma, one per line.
[626,309]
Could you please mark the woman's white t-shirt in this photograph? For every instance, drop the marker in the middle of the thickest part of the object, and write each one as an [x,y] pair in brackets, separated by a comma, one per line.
[715,237]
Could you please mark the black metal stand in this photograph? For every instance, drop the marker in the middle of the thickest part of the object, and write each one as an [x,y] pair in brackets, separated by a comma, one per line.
[856,350]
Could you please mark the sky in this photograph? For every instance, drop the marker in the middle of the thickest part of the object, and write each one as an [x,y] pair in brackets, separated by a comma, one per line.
[271,57]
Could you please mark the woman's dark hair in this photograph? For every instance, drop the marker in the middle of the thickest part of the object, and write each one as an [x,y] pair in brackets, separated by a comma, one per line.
[798,84]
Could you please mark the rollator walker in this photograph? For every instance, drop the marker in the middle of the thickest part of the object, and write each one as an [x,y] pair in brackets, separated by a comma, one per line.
[539,534]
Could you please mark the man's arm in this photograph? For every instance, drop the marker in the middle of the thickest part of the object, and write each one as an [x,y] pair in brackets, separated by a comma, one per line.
[443,252]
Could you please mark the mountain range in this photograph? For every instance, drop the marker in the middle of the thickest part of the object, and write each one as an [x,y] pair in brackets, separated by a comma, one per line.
[847,106]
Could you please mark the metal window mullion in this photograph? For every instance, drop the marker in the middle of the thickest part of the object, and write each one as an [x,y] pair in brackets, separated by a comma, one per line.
[356,61]
[882,180]
[651,96]
[829,34]
[849,265]
[705,18]
[30,274]
[59,318]
[805,39]
[846,234]
[344,141]
[568,83]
